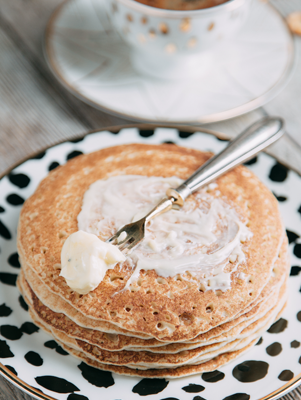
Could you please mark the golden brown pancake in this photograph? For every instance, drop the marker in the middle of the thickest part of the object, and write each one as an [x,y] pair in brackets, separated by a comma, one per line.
[50,215]
[124,330]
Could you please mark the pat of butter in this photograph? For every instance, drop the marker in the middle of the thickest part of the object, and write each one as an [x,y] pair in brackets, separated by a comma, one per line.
[85,260]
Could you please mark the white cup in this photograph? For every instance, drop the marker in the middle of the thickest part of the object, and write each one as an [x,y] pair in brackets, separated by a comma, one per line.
[175,44]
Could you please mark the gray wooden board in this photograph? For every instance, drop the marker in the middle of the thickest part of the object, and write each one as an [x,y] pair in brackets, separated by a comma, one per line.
[37,112]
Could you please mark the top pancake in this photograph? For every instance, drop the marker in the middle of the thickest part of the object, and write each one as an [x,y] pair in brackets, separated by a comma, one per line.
[172,309]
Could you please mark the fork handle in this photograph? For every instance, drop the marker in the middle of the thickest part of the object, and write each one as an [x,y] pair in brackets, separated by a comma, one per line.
[245,146]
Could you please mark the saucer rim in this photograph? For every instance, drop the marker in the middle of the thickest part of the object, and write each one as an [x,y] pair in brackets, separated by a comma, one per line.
[49,56]
[159,12]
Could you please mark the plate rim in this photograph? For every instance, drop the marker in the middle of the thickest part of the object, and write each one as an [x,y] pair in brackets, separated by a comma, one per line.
[25,387]
[221,116]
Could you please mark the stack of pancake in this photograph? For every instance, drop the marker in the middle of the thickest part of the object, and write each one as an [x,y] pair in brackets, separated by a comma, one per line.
[157,327]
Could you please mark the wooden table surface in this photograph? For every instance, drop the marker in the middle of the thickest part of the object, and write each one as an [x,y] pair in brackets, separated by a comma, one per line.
[36,111]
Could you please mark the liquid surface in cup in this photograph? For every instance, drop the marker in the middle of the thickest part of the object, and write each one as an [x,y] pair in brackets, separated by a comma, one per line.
[182,4]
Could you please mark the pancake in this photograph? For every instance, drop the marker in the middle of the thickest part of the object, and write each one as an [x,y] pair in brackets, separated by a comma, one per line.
[49,216]
[119,342]
[137,322]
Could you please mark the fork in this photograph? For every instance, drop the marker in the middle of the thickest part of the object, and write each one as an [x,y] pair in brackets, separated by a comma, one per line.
[245,146]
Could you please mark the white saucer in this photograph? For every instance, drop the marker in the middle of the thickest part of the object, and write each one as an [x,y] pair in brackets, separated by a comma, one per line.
[93,62]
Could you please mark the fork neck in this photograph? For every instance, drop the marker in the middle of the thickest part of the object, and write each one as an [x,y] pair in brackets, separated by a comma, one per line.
[164,205]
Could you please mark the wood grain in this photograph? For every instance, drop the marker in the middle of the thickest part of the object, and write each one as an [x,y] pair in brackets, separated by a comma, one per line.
[36,111]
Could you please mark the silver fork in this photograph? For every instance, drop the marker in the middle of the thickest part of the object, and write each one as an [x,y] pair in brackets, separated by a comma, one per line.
[245,146]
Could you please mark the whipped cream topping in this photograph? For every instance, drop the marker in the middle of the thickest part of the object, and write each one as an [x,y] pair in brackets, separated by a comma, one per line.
[201,238]
[85,260]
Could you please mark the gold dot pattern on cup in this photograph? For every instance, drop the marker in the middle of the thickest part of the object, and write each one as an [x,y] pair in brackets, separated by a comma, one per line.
[211,26]
[170,48]
[152,33]
[144,20]
[192,42]
[185,25]
[141,38]
[163,28]
[129,17]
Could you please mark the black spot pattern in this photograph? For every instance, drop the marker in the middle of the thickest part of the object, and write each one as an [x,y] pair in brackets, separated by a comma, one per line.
[170,398]
[213,376]
[34,358]
[185,135]
[5,311]
[8,279]
[198,398]
[14,199]
[168,142]
[74,396]
[12,369]
[4,232]
[278,173]
[23,303]
[5,350]
[250,371]
[11,332]
[53,165]
[297,250]
[51,344]
[237,396]
[146,132]
[73,154]
[286,375]
[115,132]
[295,270]
[252,161]
[61,351]
[77,140]
[29,328]
[259,342]
[150,386]
[292,236]
[95,376]
[20,180]
[274,349]
[281,199]
[56,384]
[39,156]
[2,210]
[13,260]
[299,316]
[295,344]
[278,326]
[193,388]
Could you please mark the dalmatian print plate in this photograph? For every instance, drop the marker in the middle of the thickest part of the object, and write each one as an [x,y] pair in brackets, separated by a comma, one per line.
[34,362]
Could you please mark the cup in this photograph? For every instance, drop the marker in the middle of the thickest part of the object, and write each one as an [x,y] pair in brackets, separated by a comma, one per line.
[173,44]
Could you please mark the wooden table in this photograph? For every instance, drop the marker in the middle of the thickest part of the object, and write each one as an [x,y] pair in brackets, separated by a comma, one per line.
[36,111]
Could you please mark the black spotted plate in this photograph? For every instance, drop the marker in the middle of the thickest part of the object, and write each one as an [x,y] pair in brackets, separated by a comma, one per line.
[38,365]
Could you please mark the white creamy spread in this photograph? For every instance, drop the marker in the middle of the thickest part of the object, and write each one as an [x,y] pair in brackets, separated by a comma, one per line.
[85,260]
[201,238]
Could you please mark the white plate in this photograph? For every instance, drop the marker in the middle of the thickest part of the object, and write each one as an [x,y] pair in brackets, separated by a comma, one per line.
[92,61]
[64,377]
